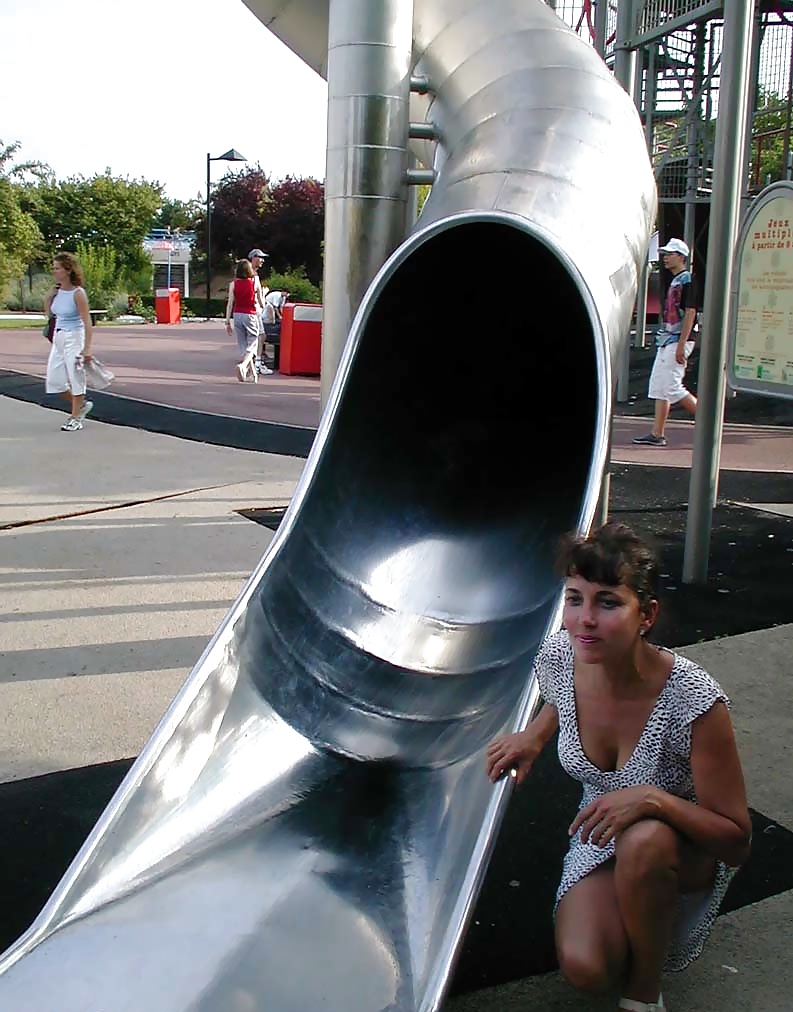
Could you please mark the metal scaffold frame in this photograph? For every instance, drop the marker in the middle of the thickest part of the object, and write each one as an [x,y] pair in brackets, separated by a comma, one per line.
[678,45]
[689,65]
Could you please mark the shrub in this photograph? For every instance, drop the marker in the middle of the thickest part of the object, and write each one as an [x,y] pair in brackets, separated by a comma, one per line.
[197,306]
[139,305]
[296,283]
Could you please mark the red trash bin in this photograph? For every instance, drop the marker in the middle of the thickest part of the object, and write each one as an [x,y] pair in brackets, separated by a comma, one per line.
[301,339]
[168,305]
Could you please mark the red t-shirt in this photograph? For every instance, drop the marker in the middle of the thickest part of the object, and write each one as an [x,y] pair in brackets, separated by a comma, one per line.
[244,296]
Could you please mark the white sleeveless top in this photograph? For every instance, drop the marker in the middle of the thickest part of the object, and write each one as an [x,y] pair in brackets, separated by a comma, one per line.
[65,309]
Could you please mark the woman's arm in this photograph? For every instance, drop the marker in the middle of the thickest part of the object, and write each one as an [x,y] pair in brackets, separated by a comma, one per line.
[229,306]
[520,751]
[719,823]
[81,301]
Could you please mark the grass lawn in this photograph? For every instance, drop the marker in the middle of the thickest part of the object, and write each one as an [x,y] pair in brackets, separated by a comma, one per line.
[21,324]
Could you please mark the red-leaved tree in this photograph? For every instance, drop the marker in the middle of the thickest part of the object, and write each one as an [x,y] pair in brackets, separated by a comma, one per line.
[293,222]
[286,219]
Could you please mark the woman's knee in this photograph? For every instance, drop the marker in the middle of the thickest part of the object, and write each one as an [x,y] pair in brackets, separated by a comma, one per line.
[648,847]
[586,969]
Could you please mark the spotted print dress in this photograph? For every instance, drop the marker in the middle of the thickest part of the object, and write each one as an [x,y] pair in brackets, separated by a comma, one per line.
[662,757]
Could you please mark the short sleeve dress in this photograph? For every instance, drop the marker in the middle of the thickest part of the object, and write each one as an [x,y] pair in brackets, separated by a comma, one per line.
[662,757]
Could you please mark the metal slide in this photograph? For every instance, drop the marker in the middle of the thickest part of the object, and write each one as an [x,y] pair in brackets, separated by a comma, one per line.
[309,825]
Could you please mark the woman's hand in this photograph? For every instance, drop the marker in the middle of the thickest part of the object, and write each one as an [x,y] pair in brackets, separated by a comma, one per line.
[603,819]
[513,751]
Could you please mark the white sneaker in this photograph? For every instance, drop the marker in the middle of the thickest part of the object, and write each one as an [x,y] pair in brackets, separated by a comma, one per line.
[71,424]
[264,371]
[87,408]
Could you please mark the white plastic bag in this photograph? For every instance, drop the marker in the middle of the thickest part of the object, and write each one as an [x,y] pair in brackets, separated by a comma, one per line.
[97,376]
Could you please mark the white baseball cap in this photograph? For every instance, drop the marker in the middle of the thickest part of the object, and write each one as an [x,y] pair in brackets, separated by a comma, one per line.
[257,253]
[675,246]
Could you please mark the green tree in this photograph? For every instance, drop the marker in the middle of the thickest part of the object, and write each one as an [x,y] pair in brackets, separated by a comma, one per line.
[101,274]
[181,214]
[20,172]
[769,127]
[20,239]
[101,211]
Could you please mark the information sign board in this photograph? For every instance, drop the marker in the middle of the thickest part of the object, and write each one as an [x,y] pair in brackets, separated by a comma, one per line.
[760,356]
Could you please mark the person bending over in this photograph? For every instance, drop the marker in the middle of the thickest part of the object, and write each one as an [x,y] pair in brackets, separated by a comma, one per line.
[663,821]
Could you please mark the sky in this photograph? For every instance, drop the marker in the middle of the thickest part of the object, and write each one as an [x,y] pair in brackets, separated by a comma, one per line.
[147,87]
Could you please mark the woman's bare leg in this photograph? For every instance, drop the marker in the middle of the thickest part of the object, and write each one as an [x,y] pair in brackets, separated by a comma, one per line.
[653,867]
[77,404]
[591,942]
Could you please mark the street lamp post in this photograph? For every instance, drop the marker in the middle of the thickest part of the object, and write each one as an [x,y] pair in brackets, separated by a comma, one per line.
[231,155]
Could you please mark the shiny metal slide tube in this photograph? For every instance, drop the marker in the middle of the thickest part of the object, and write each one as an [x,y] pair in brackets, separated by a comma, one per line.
[310,824]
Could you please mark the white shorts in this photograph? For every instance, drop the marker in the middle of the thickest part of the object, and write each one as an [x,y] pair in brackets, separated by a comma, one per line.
[666,379]
[65,372]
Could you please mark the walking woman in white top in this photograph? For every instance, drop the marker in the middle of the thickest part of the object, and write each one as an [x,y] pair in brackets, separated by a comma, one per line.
[71,342]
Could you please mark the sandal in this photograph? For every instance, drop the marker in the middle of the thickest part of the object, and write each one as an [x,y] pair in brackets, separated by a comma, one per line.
[630,1005]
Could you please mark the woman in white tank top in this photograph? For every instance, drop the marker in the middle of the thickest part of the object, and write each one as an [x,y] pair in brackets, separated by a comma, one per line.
[71,342]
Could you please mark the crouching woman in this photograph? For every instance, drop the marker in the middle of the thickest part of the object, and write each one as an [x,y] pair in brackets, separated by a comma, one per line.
[663,821]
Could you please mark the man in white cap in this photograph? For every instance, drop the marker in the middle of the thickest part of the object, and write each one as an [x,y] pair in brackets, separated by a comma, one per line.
[675,342]
[257,258]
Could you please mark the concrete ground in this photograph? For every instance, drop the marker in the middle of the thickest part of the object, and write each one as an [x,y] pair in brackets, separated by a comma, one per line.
[123,553]
[121,550]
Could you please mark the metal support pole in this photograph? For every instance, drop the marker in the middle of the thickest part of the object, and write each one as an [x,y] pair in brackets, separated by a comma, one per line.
[727,179]
[650,94]
[601,26]
[370,49]
[625,73]
[751,102]
[786,150]
[640,337]
[209,237]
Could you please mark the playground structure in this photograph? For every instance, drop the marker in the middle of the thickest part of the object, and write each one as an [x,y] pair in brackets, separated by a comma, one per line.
[676,89]
[310,822]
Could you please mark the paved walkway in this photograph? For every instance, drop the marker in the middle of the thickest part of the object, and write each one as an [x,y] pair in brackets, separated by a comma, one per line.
[191,365]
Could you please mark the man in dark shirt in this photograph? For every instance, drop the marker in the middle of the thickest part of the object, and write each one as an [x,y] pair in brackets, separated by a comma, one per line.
[675,342]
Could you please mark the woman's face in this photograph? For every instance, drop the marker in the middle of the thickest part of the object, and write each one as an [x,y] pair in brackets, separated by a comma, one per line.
[60,273]
[605,623]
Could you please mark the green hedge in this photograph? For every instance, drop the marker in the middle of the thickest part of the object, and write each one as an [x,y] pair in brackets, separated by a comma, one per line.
[217,307]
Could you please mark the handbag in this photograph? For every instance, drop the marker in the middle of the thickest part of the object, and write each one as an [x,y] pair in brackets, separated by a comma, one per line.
[48,330]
